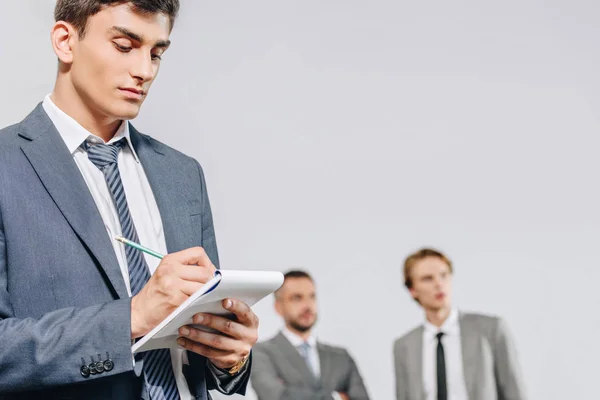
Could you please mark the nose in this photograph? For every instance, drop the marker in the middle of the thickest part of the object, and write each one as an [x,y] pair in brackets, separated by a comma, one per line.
[143,69]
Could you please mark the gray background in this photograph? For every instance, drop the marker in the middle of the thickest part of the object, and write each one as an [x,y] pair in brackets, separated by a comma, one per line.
[338,136]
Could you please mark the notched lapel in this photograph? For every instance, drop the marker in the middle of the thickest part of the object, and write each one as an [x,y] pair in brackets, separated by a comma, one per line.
[415,363]
[170,192]
[470,344]
[295,359]
[325,363]
[58,172]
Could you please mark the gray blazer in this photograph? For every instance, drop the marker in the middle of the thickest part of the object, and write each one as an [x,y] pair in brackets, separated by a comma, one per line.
[490,364]
[280,373]
[63,301]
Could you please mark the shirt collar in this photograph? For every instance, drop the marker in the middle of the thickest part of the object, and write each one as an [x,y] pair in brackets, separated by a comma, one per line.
[296,340]
[450,326]
[74,134]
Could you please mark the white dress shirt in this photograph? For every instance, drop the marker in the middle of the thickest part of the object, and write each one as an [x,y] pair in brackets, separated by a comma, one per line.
[455,378]
[142,205]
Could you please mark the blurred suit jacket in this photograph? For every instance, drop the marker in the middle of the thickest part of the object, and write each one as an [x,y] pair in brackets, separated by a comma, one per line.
[490,364]
[280,373]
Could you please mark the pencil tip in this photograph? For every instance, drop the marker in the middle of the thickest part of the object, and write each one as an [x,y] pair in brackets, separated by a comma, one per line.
[119,238]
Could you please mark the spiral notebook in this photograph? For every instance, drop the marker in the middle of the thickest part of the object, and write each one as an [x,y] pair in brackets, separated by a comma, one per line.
[247,286]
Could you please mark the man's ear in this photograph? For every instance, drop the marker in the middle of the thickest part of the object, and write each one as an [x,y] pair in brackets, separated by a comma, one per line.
[63,37]
[413,294]
[278,307]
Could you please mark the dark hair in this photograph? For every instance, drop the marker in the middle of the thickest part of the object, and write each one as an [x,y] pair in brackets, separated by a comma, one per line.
[77,12]
[293,274]
[296,273]
[417,256]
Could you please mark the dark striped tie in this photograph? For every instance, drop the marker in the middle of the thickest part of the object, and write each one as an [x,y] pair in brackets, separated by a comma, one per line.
[158,371]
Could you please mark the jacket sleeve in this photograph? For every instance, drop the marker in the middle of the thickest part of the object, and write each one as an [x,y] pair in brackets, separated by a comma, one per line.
[37,353]
[509,378]
[356,386]
[399,366]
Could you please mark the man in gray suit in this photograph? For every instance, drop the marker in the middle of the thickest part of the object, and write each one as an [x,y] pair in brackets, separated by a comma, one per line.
[294,365]
[74,174]
[453,355]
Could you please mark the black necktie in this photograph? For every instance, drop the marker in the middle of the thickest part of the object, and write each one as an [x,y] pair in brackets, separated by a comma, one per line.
[442,392]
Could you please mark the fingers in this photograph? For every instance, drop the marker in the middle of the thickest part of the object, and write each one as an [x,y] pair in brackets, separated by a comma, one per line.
[195,274]
[192,256]
[242,311]
[221,324]
[221,358]
[188,287]
[213,340]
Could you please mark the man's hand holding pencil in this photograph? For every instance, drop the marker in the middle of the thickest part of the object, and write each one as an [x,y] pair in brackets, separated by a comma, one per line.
[177,277]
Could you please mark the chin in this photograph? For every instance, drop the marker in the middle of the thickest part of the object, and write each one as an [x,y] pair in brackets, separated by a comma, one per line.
[126,110]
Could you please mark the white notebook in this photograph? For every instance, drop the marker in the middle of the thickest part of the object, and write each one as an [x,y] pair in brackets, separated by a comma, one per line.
[247,286]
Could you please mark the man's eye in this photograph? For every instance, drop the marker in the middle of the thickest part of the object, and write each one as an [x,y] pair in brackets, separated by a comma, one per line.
[156,57]
[124,49]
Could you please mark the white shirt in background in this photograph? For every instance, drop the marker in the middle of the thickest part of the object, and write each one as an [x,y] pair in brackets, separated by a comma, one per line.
[455,379]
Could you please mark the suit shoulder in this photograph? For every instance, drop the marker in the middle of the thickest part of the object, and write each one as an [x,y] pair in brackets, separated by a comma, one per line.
[488,320]
[266,345]
[8,135]
[165,148]
[488,325]
[338,350]
[408,337]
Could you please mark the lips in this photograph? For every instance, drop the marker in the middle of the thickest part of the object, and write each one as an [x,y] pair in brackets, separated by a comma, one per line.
[134,90]
[133,93]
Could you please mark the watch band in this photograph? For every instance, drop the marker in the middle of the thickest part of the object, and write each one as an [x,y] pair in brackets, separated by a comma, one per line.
[238,366]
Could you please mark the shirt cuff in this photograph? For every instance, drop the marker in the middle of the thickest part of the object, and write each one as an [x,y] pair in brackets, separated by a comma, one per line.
[336,396]
[223,373]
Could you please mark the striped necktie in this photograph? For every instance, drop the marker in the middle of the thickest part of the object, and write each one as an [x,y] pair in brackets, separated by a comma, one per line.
[158,374]
[304,350]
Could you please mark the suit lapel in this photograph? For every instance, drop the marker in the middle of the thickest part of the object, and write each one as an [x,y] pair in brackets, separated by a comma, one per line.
[325,362]
[415,362]
[295,359]
[54,165]
[169,189]
[469,339]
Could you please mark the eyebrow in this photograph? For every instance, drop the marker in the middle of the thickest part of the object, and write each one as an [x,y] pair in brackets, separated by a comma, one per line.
[139,38]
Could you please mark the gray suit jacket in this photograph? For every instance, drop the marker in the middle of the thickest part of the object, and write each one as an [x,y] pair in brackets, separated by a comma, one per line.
[280,373]
[63,301]
[490,364]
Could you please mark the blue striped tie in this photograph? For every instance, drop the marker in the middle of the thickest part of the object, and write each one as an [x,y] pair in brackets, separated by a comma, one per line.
[304,349]
[158,371]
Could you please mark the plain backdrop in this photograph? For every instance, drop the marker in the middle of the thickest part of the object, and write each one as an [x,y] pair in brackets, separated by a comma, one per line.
[338,136]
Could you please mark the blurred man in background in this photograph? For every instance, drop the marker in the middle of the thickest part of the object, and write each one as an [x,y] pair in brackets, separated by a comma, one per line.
[294,365]
[452,355]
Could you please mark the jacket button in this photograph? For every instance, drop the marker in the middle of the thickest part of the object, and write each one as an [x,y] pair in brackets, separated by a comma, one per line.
[100,367]
[108,365]
[85,371]
[92,368]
